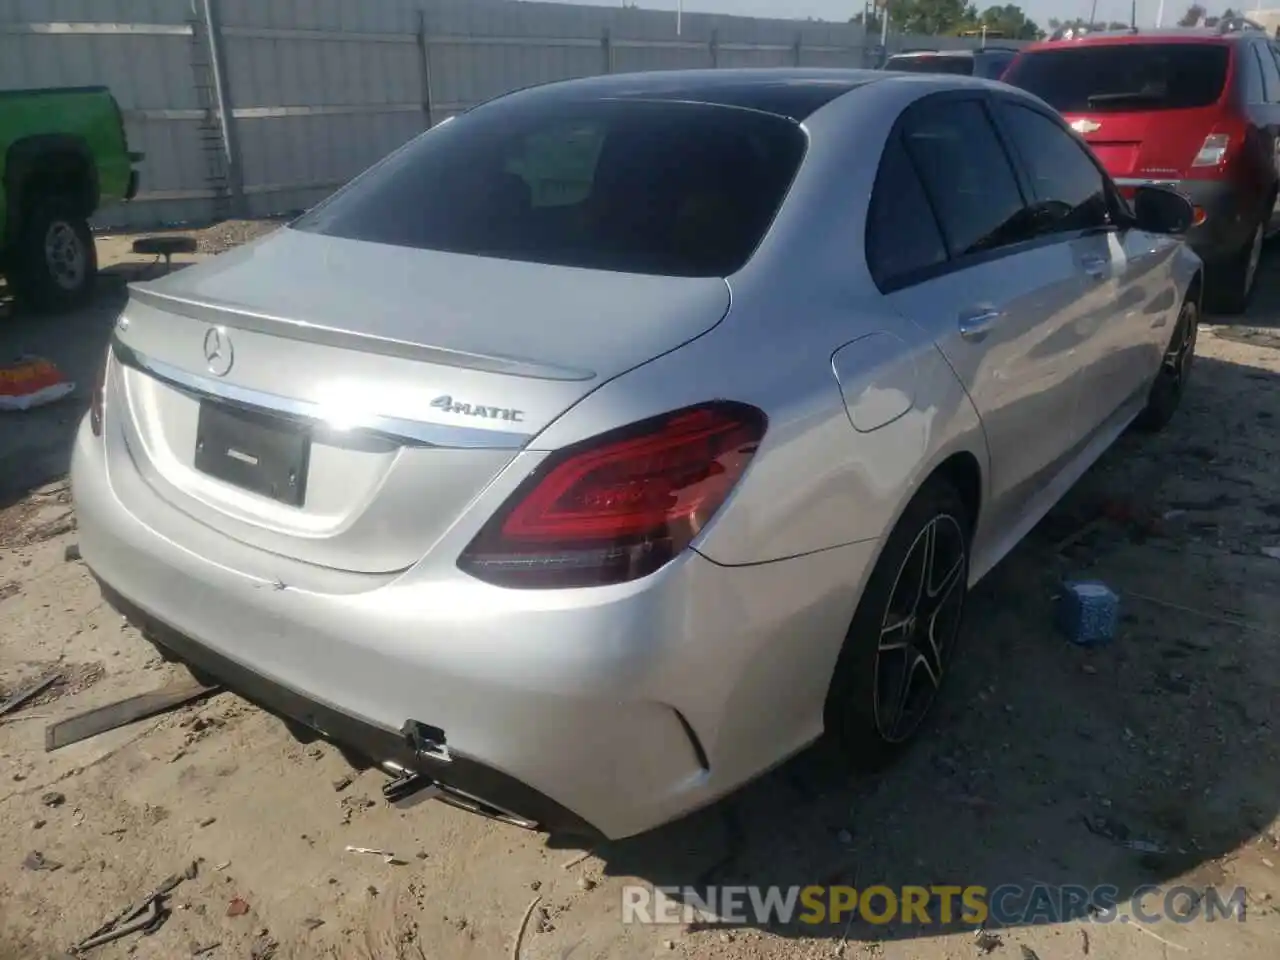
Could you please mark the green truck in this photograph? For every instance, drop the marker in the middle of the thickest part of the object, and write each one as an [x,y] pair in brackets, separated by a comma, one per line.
[63,155]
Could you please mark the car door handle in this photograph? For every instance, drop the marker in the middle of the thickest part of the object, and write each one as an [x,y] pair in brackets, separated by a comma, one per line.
[1096,267]
[976,324]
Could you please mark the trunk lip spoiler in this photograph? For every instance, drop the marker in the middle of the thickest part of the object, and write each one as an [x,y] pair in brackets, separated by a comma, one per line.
[399,430]
[243,318]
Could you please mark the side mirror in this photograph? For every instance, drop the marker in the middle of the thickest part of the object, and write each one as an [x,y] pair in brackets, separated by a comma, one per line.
[1160,209]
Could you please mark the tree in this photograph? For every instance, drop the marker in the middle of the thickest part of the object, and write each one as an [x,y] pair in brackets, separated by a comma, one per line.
[1011,21]
[1195,13]
[950,17]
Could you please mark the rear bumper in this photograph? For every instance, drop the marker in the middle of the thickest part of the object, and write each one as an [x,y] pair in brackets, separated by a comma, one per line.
[373,743]
[606,711]
[1229,221]
[1229,215]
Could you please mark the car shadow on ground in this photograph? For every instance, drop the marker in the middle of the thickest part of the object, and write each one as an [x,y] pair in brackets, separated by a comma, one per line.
[1260,324]
[35,445]
[1142,762]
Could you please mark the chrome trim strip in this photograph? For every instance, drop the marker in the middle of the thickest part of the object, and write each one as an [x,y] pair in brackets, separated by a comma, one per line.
[401,431]
[1143,182]
[244,319]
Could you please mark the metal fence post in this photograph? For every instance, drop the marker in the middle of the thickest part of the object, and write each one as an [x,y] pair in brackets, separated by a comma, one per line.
[606,50]
[424,68]
[226,119]
[795,51]
[713,46]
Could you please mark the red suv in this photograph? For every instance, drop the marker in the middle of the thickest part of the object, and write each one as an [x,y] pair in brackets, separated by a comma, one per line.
[1195,108]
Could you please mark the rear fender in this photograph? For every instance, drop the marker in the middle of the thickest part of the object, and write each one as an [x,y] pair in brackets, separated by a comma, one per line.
[60,159]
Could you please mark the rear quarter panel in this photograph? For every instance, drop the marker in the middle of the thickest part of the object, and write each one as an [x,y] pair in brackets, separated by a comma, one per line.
[817,482]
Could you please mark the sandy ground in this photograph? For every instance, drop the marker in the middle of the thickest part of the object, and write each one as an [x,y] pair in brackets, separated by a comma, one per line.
[1169,733]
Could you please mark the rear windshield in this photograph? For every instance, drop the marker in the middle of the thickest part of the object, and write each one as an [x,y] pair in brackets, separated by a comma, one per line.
[931,63]
[633,186]
[1124,78]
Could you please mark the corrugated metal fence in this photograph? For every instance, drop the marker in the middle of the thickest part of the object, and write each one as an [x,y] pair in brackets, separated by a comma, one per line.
[315,91]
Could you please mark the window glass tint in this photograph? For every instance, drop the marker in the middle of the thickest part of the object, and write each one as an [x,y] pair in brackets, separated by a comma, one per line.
[931,63]
[902,234]
[1125,77]
[1270,75]
[967,175]
[991,66]
[1070,193]
[667,188]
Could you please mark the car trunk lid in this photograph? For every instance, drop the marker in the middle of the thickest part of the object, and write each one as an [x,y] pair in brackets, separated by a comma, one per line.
[342,402]
[1148,146]
[1144,108]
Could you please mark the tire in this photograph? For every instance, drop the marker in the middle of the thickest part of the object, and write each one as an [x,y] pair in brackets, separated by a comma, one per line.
[1171,382]
[54,262]
[1230,284]
[861,712]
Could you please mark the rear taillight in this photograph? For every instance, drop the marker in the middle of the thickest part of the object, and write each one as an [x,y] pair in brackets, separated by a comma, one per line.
[96,398]
[1213,152]
[619,506]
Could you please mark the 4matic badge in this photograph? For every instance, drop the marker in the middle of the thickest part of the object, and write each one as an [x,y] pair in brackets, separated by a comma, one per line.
[450,405]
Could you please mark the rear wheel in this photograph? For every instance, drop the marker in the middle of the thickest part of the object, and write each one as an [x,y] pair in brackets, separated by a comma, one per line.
[54,262]
[899,647]
[1175,371]
[1230,284]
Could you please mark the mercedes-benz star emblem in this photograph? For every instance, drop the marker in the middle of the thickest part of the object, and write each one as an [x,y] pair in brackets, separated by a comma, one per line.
[218,352]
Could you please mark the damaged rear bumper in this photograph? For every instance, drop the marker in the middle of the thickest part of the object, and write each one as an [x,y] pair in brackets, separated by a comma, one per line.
[458,779]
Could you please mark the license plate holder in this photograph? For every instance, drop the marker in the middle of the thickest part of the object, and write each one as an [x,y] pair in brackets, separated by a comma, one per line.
[254,451]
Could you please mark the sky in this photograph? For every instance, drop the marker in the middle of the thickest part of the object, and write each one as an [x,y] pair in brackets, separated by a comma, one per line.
[1038,10]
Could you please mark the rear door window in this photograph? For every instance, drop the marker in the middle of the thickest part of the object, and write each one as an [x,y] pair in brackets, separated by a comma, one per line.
[903,238]
[967,175]
[1124,78]
[634,186]
[1070,191]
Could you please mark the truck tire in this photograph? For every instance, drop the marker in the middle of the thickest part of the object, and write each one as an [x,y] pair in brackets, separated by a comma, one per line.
[54,261]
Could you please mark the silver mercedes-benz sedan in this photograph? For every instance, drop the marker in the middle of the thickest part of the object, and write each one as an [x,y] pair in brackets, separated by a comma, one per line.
[609,443]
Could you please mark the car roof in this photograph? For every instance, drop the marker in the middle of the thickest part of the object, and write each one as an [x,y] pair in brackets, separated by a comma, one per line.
[1111,38]
[932,53]
[790,92]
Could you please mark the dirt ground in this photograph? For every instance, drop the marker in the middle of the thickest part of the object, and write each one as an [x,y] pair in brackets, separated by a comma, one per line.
[1169,734]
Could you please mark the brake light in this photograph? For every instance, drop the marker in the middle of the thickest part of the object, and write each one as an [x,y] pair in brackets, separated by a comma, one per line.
[97,397]
[621,505]
[1213,152]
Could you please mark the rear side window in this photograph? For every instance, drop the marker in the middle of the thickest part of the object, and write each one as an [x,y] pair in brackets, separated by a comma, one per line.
[966,174]
[932,63]
[1124,77]
[668,188]
[902,235]
[991,66]
[1270,75]
[1070,192]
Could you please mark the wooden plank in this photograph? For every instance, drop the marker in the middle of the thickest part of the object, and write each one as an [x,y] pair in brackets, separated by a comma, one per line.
[123,712]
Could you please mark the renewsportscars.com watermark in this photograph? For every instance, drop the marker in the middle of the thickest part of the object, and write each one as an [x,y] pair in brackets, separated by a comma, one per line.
[1007,905]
